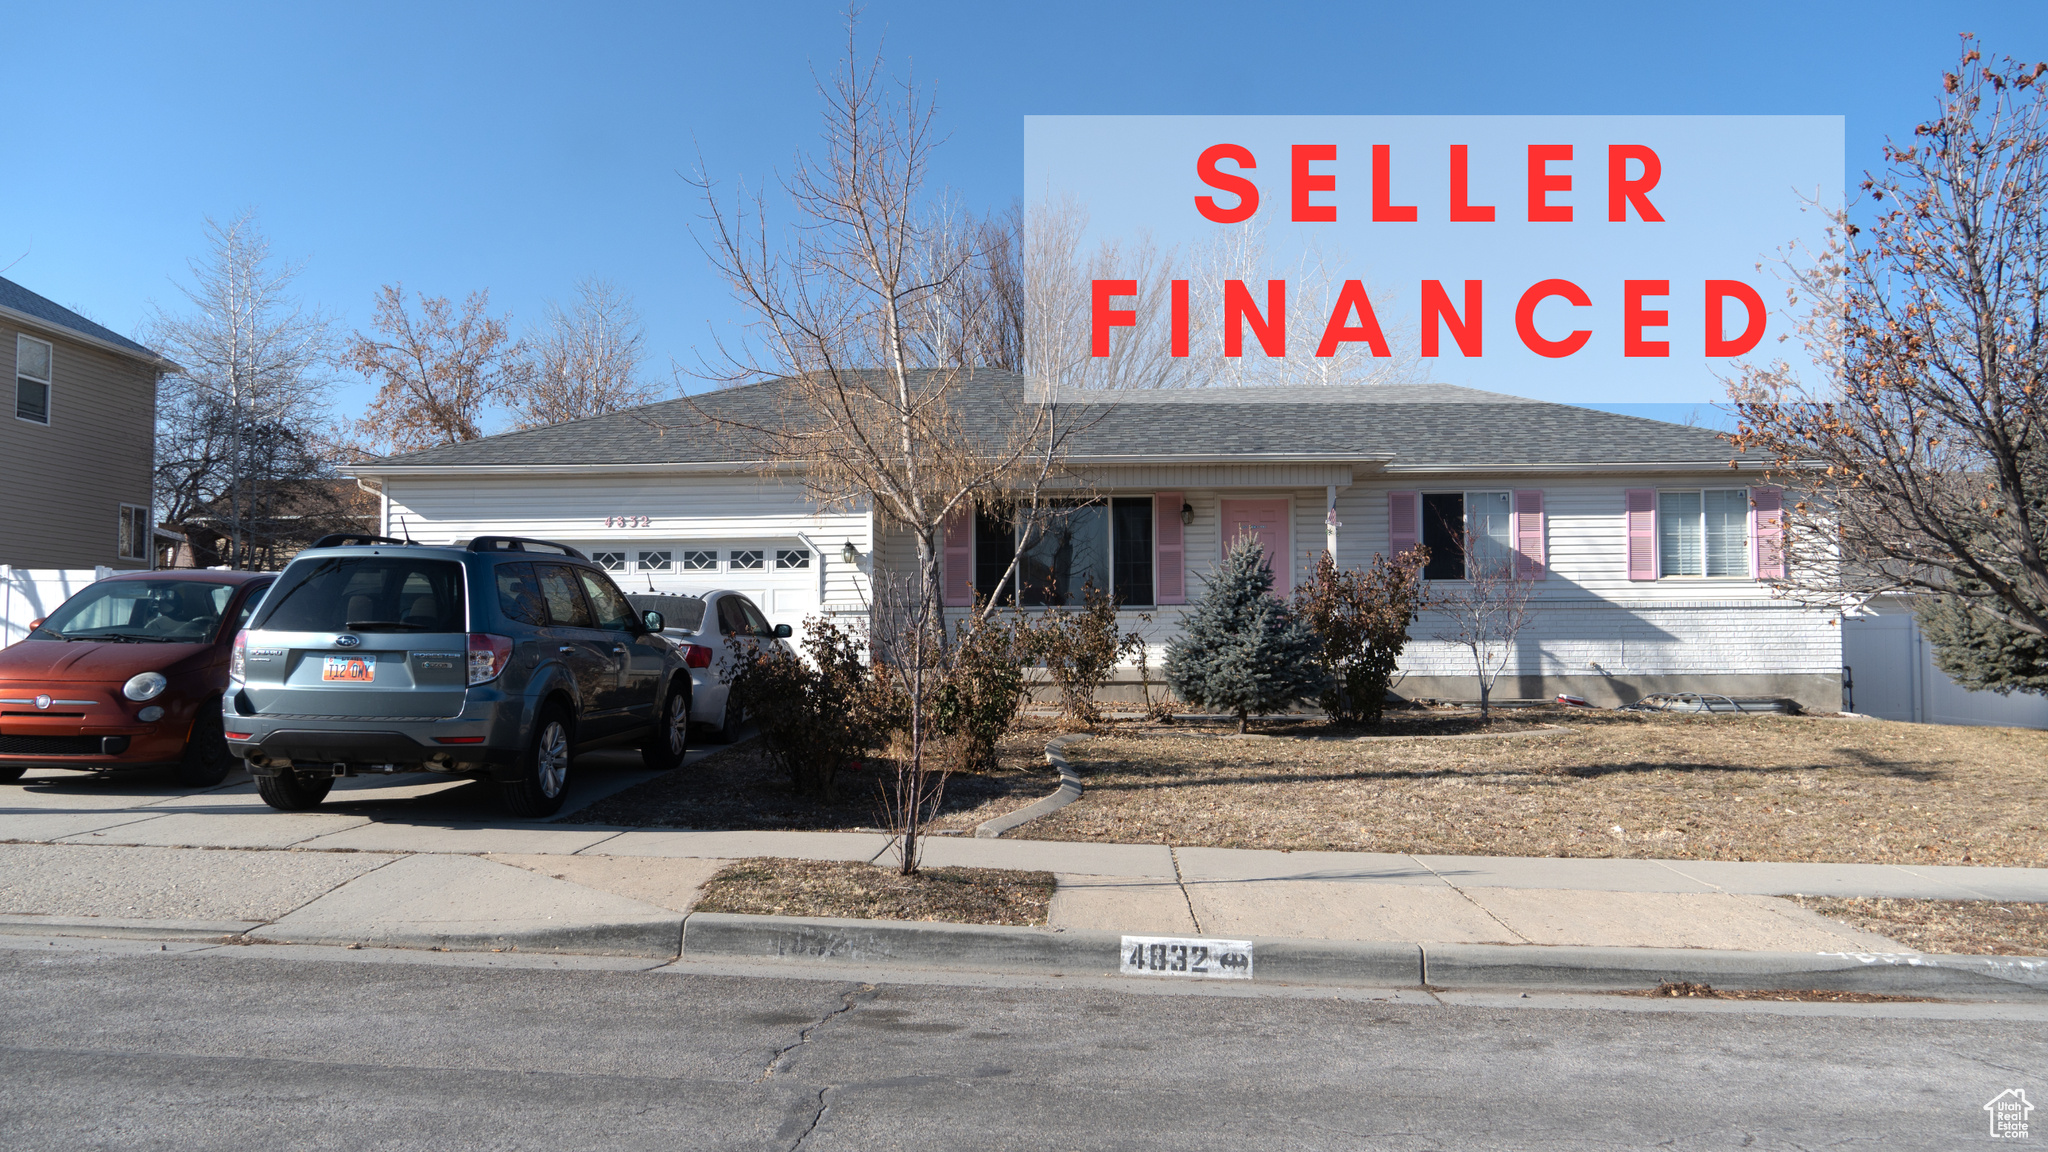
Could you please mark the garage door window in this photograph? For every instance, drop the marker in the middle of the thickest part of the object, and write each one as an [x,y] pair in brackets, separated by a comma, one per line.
[654,561]
[748,560]
[791,559]
[610,561]
[700,560]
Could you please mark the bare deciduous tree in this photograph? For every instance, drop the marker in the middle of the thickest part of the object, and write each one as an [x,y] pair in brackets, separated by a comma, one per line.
[586,361]
[1920,463]
[1484,616]
[239,430]
[436,373]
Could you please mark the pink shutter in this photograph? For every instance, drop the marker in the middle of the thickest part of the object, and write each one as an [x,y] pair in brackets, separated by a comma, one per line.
[1169,548]
[958,577]
[1767,532]
[1642,534]
[1404,521]
[1529,564]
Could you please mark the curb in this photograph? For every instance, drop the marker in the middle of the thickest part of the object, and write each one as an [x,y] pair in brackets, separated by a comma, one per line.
[655,939]
[708,935]
[101,926]
[1068,792]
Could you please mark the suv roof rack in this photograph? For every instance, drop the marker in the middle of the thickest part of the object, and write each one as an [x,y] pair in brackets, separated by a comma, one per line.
[522,544]
[352,539]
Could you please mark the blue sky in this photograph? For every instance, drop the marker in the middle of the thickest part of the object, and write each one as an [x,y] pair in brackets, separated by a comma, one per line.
[518,147]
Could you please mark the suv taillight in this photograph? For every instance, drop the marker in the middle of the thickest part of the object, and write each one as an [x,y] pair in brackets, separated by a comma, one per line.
[488,656]
[238,660]
[696,656]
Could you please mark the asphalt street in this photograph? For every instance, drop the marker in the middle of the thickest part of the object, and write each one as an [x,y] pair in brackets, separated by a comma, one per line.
[115,1045]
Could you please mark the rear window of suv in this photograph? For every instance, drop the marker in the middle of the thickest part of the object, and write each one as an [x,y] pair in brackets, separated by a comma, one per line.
[366,594]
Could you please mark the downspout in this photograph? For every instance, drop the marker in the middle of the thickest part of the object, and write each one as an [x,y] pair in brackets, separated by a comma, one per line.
[1331,523]
[383,505]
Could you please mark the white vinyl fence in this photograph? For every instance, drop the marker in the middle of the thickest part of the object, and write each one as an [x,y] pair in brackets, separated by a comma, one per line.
[32,593]
[1893,676]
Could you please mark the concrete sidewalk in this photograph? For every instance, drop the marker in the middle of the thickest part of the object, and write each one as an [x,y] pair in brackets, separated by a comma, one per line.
[423,863]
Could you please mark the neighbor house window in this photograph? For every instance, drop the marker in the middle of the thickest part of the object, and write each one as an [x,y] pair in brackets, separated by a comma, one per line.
[654,561]
[1106,546]
[700,560]
[789,559]
[133,542]
[1703,532]
[747,560]
[1464,530]
[610,561]
[31,380]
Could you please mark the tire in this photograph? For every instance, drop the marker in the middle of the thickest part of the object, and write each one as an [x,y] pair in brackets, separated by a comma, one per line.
[729,726]
[207,760]
[544,769]
[670,741]
[9,773]
[290,792]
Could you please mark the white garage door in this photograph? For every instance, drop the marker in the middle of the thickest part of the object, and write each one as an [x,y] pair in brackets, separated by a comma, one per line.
[780,575]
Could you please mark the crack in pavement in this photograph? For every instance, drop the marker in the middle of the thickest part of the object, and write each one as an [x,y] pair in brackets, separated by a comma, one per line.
[847,1000]
[817,1116]
[1173,854]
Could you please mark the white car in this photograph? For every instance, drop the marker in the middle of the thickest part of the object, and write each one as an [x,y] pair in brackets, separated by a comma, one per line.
[708,628]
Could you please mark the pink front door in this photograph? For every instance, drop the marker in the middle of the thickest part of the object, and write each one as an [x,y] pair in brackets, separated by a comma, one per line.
[1267,520]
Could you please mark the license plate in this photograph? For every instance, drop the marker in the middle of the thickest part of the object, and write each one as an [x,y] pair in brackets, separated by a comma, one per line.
[359,669]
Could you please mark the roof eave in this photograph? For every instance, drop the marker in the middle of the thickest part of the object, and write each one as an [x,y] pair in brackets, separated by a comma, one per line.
[155,360]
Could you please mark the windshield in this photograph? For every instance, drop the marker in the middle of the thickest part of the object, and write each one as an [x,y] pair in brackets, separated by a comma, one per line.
[366,594]
[682,613]
[169,611]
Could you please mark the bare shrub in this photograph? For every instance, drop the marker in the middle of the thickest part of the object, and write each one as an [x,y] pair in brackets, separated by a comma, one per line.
[1362,618]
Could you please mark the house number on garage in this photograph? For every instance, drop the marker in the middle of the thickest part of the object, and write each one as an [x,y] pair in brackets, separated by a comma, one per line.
[629,521]
[1181,956]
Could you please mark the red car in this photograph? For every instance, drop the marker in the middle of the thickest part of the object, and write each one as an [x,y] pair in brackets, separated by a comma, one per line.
[128,674]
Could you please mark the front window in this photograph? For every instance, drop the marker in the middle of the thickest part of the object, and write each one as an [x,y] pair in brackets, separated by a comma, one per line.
[1703,532]
[1468,532]
[173,611]
[32,370]
[366,594]
[1106,546]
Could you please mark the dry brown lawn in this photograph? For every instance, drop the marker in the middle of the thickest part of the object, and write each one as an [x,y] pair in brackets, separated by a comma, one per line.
[1753,787]
[1963,927]
[774,887]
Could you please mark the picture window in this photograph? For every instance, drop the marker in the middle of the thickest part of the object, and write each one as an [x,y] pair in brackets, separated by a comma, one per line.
[1106,545]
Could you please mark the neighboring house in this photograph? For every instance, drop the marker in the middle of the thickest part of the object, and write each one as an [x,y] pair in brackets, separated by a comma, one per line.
[288,516]
[78,453]
[1649,555]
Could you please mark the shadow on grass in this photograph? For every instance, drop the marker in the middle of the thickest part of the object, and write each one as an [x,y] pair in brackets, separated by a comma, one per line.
[740,789]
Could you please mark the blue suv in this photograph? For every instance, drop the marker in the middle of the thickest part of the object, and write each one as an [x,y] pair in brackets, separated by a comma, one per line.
[499,659]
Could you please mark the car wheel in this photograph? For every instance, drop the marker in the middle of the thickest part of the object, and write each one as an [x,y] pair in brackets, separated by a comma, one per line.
[290,792]
[544,770]
[207,760]
[9,773]
[729,725]
[670,740]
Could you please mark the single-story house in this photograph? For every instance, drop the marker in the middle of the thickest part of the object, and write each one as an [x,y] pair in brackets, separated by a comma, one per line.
[1649,553]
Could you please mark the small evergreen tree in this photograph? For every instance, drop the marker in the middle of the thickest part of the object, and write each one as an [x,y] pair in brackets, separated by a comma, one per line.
[1983,653]
[1241,649]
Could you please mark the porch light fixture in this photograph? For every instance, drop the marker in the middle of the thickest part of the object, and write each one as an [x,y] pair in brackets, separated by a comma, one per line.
[1187,513]
[849,553]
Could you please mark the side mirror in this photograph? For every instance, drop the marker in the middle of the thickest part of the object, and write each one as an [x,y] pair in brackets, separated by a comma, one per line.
[36,623]
[782,632]
[652,619]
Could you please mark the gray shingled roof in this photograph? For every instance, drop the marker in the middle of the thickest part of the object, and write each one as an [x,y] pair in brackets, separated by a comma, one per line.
[1408,426]
[22,300]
